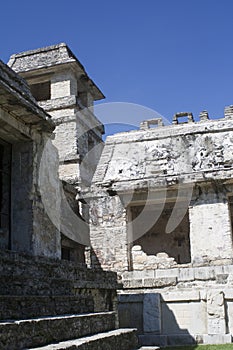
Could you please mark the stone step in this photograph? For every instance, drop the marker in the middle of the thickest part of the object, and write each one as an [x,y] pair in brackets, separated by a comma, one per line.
[25,285]
[149,348]
[23,307]
[14,264]
[119,339]
[16,335]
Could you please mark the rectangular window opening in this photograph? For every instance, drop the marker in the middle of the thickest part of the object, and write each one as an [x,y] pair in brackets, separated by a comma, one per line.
[149,234]
[41,91]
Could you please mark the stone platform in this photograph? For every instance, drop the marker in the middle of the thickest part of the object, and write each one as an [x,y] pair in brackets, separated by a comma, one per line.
[44,301]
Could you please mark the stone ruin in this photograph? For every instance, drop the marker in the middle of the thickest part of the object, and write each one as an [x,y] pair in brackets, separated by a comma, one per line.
[161,210]
[47,301]
[157,204]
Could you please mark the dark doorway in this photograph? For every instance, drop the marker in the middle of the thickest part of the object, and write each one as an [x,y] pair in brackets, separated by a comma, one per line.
[5,193]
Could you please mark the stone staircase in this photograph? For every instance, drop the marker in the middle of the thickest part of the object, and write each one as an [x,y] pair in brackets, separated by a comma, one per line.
[49,304]
[63,331]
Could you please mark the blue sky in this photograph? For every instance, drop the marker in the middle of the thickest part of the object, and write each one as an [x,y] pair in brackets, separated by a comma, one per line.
[167,55]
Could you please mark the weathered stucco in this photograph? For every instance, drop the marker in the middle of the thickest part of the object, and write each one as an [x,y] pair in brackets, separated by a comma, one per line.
[161,215]
[189,165]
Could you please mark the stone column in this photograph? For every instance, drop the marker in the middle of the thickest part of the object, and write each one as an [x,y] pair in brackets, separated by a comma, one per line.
[216,319]
[210,228]
[108,233]
[216,312]
[151,313]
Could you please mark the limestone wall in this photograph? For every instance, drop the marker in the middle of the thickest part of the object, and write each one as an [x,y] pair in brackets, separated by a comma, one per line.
[165,155]
[26,128]
[108,233]
[188,167]
[163,191]
[179,305]
[32,230]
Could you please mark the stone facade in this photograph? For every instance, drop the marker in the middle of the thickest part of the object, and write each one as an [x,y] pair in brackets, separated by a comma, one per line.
[45,300]
[161,216]
[25,129]
[63,89]
[159,202]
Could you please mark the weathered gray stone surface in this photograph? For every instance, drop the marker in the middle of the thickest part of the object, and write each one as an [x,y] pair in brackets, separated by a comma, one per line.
[22,275]
[120,339]
[161,215]
[166,158]
[70,103]
[41,331]
[149,348]
[32,285]
[26,128]
[151,313]
[160,209]
[48,57]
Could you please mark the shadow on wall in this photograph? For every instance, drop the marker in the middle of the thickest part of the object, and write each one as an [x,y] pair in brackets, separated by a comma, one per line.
[172,330]
[94,260]
[155,322]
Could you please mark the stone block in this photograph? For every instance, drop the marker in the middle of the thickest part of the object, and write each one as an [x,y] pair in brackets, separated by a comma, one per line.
[190,295]
[166,273]
[186,274]
[219,269]
[150,340]
[139,267]
[149,348]
[203,294]
[180,339]
[159,282]
[221,278]
[133,283]
[216,312]
[228,269]
[228,293]
[138,274]
[217,338]
[34,332]
[216,325]
[136,248]
[152,313]
[131,298]
[204,273]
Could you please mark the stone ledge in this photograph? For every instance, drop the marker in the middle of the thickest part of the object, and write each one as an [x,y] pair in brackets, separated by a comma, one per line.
[118,339]
[193,295]
[150,282]
[184,339]
[217,338]
[220,274]
[149,348]
[59,103]
[21,334]
[131,298]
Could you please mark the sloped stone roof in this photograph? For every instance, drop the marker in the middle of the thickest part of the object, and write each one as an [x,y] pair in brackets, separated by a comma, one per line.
[16,98]
[167,155]
[49,57]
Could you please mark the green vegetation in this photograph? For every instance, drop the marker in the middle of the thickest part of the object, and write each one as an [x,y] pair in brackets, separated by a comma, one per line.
[203,347]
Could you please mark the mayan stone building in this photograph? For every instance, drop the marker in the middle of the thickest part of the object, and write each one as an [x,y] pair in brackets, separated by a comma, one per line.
[153,205]
[161,216]
[61,86]
[45,300]
[25,128]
